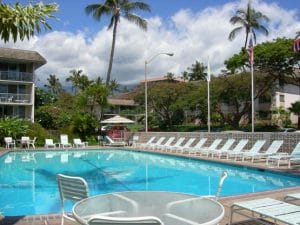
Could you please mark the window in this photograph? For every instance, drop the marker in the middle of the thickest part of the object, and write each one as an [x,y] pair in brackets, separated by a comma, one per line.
[22,67]
[12,89]
[281,98]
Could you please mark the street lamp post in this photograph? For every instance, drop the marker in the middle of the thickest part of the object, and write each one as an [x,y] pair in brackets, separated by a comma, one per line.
[146,85]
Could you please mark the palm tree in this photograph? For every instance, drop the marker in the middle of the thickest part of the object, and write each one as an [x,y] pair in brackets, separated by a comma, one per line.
[24,21]
[197,71]
[53,86]
[114,86]
[250,20]
[79,81]
[116,9]
[295,108]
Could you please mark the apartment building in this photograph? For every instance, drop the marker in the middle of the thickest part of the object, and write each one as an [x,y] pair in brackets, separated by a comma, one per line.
[17,77]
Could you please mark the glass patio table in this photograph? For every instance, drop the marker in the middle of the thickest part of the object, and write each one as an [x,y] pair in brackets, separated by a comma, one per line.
[171,208]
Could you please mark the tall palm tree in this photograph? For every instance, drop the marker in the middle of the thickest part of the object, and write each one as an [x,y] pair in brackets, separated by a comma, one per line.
[250,20]
[24,21]
[115,9]
[53,86]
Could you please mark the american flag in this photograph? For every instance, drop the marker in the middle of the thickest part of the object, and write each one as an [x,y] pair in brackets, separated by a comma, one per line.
[251,51]
[297,44]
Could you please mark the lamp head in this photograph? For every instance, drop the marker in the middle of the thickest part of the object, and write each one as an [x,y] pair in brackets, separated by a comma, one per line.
[170,54]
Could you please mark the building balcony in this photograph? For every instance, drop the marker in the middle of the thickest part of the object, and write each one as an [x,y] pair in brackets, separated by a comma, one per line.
[10,98]
[16,76]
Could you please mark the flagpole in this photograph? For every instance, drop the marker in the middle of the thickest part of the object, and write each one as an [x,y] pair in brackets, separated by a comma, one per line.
[252,98]
[208,97]
[251,59]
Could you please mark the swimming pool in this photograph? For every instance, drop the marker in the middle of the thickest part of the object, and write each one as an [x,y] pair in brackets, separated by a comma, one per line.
[28,180]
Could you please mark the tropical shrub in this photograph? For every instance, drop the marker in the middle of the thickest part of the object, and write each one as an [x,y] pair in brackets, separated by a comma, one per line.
[36,130]
[13,127]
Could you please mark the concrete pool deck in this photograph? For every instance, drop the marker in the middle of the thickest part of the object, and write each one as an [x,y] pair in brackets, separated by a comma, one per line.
[54,219]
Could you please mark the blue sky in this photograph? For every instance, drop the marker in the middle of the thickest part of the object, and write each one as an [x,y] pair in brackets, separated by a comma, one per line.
[192,29]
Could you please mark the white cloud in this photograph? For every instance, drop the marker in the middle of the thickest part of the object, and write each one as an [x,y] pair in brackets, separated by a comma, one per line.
[190,35]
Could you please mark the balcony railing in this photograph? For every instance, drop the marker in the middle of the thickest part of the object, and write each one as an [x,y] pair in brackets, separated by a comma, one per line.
[15,98]
[16,76]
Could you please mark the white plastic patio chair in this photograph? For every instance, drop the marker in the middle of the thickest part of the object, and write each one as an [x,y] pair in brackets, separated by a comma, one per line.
[106,220]
[49,143]
[25,141]
[272,149]
[64,141]
[293,156]
[70,188]
[9,142]
[32,142]
[78,143]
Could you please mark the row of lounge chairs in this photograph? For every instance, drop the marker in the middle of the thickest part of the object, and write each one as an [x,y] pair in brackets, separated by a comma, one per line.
[229,150]
[269,210]
[64,143]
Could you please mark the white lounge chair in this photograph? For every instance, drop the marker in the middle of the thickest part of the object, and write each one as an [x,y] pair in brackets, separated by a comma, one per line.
[49,143]
[9,142]
[70,188]
[276,210]
[187,144]
[176,145]
[294,156]
[224,148]
[143,145]
[77,143]
[292,197]
[105,220]
[64,141]
[294,159]
[165,145]
[272,149]
[152,145]
[213,146]
[238,148]
[196,147]
[111,142]
[255,148]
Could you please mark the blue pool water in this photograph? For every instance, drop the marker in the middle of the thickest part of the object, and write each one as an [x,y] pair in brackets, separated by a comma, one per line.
[28,180]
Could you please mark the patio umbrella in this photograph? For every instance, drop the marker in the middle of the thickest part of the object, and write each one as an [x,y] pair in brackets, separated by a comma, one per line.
[117,120]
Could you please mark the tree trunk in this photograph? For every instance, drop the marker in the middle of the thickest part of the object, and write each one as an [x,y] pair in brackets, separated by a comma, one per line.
[112,51]
[299,121]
